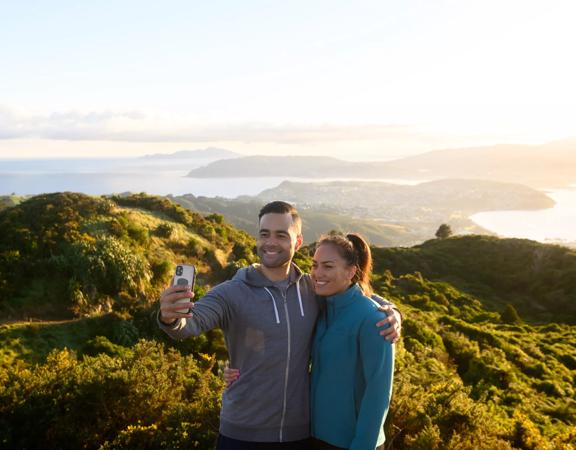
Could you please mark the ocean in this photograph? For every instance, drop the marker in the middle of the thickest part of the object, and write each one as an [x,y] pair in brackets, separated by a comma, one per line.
[168,176]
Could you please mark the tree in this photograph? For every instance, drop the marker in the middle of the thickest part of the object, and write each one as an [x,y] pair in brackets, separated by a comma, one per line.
[444,231]
[510,315]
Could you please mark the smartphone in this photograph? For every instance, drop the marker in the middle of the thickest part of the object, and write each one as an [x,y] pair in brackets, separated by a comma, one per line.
[185,275]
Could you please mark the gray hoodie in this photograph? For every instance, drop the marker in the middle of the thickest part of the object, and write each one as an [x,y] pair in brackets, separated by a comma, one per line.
[268,330]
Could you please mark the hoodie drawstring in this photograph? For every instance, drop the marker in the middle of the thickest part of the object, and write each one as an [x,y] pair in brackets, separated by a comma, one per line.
[299,298]
[274,303]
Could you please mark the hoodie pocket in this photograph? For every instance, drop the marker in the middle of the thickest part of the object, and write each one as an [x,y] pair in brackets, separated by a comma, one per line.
[256,402]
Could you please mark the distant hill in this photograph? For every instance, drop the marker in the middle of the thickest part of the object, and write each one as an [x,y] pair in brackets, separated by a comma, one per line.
[207,153]
[243,213]
[387,214]
[400,202]
[293,166]
[540,166]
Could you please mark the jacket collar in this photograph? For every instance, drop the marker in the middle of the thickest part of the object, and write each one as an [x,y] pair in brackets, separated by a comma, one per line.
[345,298]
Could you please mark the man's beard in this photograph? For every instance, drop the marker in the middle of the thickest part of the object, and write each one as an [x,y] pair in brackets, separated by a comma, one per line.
[273,261]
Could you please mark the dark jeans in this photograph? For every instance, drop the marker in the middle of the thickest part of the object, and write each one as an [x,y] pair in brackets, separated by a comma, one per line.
[226,443]
[316,444]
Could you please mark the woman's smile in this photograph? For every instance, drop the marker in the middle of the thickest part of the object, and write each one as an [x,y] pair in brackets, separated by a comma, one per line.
[330,272]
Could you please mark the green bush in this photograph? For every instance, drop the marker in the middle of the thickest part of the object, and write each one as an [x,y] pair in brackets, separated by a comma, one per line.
[107,265]
[113,401]
[138,234]
[550,388]
[161,270]
[101,344]
[461,349]
[164,230]
[422,333]
[40,225]
[510,315]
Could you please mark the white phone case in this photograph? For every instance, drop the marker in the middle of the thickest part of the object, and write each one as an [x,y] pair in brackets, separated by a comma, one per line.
[184,276]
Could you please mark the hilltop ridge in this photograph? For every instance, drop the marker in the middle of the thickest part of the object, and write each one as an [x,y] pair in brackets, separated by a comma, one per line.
[539,166]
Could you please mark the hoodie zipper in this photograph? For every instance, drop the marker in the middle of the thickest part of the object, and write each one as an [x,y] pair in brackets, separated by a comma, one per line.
[283,417]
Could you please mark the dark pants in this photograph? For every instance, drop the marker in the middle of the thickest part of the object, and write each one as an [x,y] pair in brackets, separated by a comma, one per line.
[226,443]
[316,444]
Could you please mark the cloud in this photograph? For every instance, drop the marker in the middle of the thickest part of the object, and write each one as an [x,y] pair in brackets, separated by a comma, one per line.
[135,126]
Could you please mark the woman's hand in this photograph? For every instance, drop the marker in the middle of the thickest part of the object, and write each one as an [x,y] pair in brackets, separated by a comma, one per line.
[230,375]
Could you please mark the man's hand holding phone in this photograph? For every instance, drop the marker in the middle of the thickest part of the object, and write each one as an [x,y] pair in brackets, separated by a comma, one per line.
[175,300]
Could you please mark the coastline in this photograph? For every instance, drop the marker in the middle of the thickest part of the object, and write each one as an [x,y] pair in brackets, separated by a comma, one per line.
[556,225]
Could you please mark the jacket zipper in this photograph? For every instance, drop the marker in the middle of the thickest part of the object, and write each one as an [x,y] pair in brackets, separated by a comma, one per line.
[317,356]
[283,417]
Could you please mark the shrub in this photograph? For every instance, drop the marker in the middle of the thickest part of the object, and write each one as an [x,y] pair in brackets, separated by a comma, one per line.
[194,248]
[216,218]
[461,349]
[101,344]
[421,333]
[550,388]
[72,403]
[161,270]
[138,233]
[526,435]
[107,265]
[510,315]
[164,230]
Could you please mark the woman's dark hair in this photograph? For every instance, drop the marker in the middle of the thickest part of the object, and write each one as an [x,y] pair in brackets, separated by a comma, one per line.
[356,252]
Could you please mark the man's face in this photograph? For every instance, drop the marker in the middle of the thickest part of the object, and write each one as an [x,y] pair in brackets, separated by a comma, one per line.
[277,240]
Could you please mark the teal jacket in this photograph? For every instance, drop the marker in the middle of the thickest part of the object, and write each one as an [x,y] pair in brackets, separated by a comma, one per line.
[352,370]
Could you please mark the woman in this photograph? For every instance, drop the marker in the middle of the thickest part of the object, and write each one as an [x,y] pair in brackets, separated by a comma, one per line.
[352,366]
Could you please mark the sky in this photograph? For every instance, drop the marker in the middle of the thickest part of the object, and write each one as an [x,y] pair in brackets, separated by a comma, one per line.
[354,79]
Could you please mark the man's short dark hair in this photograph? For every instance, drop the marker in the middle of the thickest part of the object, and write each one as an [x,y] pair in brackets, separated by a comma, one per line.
[280,207]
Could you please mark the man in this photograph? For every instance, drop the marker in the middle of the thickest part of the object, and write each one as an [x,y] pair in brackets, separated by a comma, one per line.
[268,313]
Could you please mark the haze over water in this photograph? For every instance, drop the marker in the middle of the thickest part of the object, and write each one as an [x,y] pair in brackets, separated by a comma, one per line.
[109,176]
[553,225]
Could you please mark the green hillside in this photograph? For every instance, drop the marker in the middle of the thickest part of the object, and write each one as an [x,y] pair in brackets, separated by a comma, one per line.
[70,255]
[487,359]
[538,280]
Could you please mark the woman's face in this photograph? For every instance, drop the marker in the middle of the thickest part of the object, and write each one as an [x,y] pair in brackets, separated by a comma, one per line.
[331,273]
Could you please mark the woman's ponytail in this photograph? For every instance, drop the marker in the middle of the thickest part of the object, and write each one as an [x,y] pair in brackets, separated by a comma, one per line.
[363,262]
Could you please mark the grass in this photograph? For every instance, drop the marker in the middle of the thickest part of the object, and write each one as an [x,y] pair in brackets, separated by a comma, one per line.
[32,341]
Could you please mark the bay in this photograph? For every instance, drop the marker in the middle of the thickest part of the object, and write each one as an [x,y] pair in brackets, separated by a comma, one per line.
[164,177]
[109,176]
[552,225]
